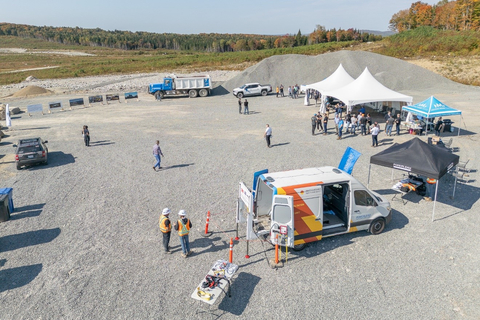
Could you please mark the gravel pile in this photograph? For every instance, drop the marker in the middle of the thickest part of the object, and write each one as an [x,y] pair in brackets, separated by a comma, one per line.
[299,69]
[31,91]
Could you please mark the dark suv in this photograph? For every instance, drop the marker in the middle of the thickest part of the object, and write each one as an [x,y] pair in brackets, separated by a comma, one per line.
[30,151]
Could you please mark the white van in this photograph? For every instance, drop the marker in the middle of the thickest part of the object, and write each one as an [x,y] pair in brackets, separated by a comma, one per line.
[305,205]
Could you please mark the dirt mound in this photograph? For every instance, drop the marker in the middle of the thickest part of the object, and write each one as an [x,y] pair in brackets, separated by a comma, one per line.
[31,91]
[393,73]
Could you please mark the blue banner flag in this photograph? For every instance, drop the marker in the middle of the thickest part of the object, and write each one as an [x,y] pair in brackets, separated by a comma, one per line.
[349,159]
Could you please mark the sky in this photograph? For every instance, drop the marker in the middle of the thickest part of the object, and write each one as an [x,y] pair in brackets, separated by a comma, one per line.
[275,17]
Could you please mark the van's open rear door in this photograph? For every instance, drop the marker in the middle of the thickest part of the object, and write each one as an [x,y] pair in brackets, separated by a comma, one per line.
[255,180]
[282,221]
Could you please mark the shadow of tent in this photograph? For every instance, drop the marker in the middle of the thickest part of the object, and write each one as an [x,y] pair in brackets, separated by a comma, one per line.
[18,277]
[27,211]
[26,239]
[465,195]
[242,290]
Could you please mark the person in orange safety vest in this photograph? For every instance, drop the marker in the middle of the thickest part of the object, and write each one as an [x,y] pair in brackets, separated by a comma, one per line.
[183,227]
[166,228]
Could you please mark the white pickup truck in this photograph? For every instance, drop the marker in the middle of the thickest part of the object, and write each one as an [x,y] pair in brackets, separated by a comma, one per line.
[252,89]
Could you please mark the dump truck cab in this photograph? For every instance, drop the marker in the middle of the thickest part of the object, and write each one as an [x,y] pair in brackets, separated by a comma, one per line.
[302,206]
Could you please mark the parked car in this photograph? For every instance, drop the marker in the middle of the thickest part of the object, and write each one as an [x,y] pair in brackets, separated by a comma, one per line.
[31,151]
[252,89]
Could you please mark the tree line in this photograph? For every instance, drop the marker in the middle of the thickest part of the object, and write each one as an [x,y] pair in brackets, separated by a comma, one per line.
[211,42]
[445,15]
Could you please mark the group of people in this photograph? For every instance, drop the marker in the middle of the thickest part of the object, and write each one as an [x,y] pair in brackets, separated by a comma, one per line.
[182,226]
[293,91]
[245,106]
[351,122]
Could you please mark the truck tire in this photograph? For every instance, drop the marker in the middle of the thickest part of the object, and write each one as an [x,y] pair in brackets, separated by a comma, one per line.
[264,93]
[203,93]
[161,94]
[240,95]
[192,93]
[377,226]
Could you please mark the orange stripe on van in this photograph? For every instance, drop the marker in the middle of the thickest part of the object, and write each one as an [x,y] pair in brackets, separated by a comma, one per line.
[304,218]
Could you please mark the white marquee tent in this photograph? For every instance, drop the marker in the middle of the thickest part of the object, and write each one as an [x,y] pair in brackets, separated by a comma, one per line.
[338,79]
[366,89]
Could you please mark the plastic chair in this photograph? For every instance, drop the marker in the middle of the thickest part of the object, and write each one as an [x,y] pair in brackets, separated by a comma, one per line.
[448,144]
[463,166]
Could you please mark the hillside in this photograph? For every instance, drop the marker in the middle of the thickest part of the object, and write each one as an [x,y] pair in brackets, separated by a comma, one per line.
[454,55]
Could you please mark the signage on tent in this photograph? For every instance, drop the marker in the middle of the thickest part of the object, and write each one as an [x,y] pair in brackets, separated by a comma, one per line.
[402,167]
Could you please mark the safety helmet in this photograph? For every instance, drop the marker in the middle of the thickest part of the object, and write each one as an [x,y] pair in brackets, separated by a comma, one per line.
[166,211]
[182,213]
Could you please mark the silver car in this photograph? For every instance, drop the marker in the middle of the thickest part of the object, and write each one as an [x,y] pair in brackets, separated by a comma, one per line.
[30,151]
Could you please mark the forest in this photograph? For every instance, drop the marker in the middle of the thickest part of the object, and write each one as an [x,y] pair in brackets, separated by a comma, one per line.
[212,42]
[445,15]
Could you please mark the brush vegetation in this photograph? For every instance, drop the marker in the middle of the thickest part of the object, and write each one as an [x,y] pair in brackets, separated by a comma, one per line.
[422,42]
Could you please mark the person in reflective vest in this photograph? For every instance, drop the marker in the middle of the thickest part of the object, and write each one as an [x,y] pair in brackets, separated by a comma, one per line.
[183,227]
[166,228]
[430,189]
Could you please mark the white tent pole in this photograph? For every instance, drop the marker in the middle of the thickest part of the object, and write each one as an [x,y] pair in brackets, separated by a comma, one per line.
[426,125]
[435,200]
[459,126]
[368,181]
[454,187]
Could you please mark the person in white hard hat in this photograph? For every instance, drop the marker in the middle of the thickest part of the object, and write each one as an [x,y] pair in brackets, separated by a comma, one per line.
[183,227]
[166,228]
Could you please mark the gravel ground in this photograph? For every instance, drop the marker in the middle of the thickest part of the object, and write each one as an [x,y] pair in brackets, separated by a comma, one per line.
[84,241]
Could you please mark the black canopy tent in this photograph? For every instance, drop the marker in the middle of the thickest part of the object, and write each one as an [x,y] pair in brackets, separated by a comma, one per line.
[418,157]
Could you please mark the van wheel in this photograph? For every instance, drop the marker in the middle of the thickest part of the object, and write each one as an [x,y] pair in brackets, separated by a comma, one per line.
[377,226]
[299,247]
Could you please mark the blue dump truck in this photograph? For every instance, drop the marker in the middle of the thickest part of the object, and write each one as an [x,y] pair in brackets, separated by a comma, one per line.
[193,86]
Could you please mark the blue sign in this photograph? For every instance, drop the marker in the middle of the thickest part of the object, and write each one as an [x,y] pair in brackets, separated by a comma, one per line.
[349,159]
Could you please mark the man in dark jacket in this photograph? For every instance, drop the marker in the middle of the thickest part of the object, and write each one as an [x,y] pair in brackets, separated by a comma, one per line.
[314,123]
